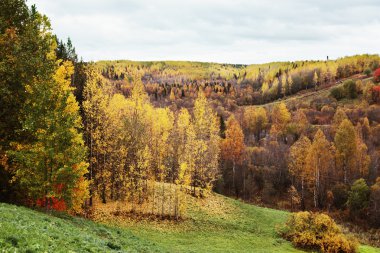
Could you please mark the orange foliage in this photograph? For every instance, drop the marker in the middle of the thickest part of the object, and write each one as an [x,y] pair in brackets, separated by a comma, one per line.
[52,203]
[376,75]
[233,146]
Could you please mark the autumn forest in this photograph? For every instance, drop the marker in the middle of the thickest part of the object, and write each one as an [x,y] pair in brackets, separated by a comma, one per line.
[175,144]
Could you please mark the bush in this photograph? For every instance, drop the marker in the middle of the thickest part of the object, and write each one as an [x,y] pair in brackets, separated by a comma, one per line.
[367,72]
[358,197]
[317,232]
[350,91]
[337,93]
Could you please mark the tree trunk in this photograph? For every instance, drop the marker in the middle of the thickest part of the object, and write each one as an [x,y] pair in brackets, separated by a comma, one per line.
[46,189]
[345,172]
[233,176]
[163,199]
[302,195]
[244,192]
[91,166]
[315,188]
[153,199]
[316,191]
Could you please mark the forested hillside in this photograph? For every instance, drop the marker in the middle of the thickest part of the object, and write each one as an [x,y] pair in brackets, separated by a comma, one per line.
[118,141]
[271,153]
[244,85]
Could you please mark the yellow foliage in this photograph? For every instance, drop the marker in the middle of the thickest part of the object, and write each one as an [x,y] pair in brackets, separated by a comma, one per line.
[317,231]
[80,192]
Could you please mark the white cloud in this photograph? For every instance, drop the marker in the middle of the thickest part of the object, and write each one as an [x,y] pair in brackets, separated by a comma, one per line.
[241,31]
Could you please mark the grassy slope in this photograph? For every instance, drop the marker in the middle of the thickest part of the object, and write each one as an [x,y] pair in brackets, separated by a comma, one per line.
[217,224]
[220,224]
[32,231]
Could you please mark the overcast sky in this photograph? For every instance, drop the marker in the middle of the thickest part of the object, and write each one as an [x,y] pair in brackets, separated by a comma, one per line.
[233,31]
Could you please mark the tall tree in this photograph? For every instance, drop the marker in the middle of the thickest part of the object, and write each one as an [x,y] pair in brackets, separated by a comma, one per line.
[39,115]
[25,56]
[162,122]
[95,119]
[139,111]
[319,162]
[297,163]
[184,152]
[206,127]
[362,159]
[117,148]
[182,145]
[233,145]
[346,148]
[52,166]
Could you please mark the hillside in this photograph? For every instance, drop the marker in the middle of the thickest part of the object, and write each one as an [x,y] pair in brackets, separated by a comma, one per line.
[186,156]
[214,224]
[170,81]
[309,95]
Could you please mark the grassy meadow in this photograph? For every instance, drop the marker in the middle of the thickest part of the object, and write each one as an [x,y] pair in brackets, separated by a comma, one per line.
[213,224]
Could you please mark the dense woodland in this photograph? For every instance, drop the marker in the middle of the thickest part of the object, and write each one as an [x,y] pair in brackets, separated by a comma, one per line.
[294,153]
[150,134]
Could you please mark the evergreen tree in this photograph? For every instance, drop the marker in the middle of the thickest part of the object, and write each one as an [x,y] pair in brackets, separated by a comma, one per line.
[25,56]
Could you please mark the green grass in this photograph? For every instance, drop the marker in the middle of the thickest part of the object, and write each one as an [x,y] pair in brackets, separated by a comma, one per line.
[32,231]
[229,226]
[215,224]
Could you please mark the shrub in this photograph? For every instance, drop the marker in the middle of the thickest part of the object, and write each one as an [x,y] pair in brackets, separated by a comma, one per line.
[347,90]
[367,72]
[337,93]
[358,196]
[317,232]
[350,91]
